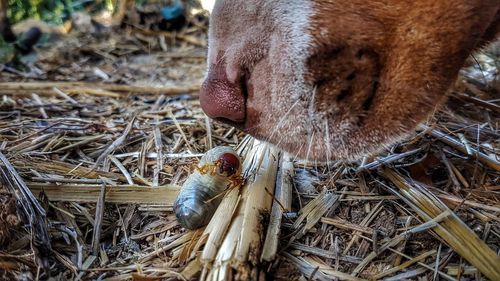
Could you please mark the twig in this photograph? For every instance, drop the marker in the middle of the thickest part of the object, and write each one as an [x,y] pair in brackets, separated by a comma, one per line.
[99,211]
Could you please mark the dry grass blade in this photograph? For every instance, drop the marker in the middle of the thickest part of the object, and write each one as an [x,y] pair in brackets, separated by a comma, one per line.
[389,159]
[324,253]
[480,102]
[122,169]
[119,141]
[99,89]
[64,168]
[455,201]
[489,161]
[31,209]
[366,220]
[99,210]
[313,211]
[405,264]
[282,203]
[307,269]
[347,225]
[182,240]
[159,158]
[398,239]
[119,194]
[314,269]
[452,230]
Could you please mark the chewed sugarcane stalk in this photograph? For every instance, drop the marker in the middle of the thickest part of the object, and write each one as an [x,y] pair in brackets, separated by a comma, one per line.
[219,169]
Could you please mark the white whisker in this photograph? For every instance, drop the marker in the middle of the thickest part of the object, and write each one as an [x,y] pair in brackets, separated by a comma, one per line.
[276,127]
[298,152]
[311,140]
[328,147]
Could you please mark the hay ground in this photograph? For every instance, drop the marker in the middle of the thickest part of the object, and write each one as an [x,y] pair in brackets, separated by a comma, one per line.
[104,130]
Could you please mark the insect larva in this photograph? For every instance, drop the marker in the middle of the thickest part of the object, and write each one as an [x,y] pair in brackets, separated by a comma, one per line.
[219,168]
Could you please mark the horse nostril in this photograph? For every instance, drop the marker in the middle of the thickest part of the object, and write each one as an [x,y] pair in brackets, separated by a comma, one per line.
[221,99]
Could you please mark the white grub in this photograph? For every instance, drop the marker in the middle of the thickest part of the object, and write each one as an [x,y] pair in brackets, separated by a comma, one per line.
[200,194]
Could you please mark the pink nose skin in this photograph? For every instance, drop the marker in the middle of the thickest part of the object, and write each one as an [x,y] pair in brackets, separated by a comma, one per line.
[221,99]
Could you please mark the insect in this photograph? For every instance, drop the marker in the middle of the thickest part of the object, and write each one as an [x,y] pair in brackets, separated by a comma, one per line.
[199,197]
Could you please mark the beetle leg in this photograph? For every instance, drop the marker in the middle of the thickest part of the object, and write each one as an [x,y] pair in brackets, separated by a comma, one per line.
[235,181]
[204,169]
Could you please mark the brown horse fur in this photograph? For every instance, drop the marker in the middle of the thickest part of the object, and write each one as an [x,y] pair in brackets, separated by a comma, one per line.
[329,79]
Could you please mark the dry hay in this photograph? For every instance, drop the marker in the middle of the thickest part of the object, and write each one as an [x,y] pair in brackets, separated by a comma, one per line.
[106,161]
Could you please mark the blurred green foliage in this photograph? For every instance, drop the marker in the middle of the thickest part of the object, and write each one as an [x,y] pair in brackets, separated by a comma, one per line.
[53,11]
[7,52]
